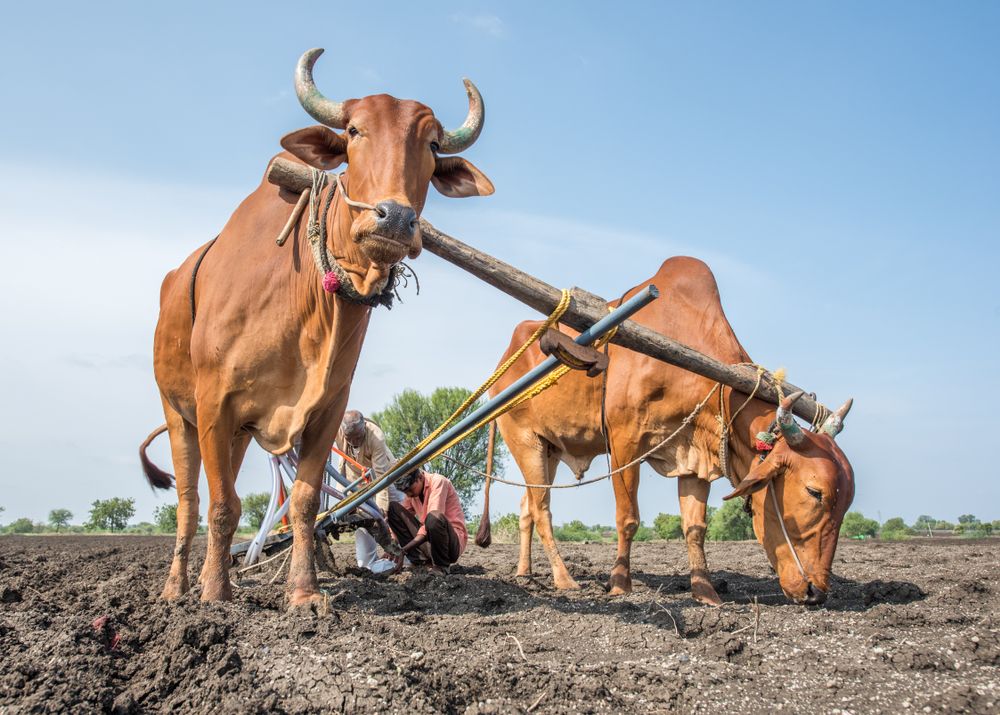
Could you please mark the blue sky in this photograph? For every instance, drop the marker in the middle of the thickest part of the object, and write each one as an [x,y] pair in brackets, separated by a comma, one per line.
[837,165]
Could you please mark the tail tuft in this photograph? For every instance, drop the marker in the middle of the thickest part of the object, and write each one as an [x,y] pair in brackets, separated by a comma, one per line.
[484,536]
[156,477]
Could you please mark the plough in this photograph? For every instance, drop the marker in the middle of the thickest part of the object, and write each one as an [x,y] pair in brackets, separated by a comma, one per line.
[586,313]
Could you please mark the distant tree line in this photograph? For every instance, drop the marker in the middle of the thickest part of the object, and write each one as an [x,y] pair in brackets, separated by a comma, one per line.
[857,526]
[727,523]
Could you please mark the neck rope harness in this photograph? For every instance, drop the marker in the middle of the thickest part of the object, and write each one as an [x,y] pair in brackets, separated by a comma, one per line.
[335,278]
[762,444]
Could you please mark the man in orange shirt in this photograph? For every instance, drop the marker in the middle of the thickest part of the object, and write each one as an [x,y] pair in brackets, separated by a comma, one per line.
[429,522]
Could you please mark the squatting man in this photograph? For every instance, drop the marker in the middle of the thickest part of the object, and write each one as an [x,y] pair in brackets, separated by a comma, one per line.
[429,522]
[423,509]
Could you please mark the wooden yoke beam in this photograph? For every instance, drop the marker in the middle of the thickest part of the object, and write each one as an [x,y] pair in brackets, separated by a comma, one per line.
[584,310]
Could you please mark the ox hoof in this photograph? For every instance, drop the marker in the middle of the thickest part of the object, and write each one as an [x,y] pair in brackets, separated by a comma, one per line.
[213,590]
[620,588]
[705,593]
[174,589]
[567,584]
[305,603]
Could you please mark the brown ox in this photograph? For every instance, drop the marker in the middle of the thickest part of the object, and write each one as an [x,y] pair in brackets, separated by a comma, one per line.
[647,400]
[253,343]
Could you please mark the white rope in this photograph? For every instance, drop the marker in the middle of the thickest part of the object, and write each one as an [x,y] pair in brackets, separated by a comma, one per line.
[781,520]
[637,460]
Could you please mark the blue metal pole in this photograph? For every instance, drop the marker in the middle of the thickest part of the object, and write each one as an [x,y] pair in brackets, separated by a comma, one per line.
[614,318]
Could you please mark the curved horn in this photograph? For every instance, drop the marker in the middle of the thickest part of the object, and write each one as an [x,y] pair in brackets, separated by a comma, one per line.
[835,422]
[789,427]
[320,108]
[454,141]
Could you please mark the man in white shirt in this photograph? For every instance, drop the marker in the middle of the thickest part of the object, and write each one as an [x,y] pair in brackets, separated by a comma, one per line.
[364,442]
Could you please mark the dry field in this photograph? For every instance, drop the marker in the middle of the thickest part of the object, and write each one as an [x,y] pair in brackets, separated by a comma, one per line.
[909,627]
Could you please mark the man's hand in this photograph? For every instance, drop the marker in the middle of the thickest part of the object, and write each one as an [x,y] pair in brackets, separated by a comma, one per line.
[398,560]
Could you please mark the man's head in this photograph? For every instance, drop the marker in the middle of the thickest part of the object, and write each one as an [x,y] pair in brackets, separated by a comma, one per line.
[411,483]
[353,426]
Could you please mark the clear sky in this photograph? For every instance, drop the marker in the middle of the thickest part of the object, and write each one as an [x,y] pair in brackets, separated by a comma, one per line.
[838,166]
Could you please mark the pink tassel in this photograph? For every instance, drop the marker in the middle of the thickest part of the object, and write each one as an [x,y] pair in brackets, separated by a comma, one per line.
[331,283]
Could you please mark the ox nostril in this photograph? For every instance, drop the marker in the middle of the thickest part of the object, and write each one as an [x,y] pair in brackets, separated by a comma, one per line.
[814,595]
[395,220]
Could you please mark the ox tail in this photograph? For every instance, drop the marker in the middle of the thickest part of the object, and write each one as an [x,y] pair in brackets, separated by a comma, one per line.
[484,535]
[154,475]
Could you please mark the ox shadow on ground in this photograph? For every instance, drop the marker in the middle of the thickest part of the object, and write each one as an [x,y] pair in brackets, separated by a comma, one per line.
[663,601]
[846,594]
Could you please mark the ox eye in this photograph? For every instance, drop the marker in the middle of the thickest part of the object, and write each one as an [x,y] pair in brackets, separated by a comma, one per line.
[352,130]
[815,494]
[435,147]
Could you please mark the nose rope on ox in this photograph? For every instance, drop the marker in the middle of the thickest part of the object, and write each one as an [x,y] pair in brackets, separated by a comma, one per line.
[784,531]
[335,279]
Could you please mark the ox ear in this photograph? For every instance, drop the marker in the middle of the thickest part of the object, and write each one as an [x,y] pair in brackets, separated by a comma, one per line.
[458,178]
[762,474]
[318,146]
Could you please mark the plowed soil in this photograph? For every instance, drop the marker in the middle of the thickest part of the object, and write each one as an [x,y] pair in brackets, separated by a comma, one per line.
[910,626]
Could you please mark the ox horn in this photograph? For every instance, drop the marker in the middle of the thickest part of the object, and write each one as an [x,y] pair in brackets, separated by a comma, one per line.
[320,108]
[454,141]
[789,427]
[835,422]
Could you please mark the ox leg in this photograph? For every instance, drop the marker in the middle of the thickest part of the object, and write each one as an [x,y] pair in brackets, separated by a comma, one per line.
[217,442]
[538,504]
[302,587]
[187,464]
[626,485]
[693,493]
[527,531]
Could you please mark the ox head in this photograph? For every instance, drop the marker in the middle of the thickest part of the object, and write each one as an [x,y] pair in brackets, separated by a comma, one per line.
[393,150]
[800,493]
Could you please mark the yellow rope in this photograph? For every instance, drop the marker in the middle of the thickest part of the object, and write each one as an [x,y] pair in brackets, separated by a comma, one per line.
[560,309]
[553,318]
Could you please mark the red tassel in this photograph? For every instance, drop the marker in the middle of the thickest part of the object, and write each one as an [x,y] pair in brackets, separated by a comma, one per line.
[331,283]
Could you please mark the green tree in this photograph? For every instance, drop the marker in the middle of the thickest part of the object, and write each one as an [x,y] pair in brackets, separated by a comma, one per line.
[856,525]
[23,525]
[165,518]
[730,523]
[507,528]
[59,518]
[968,519]
[944,525]
[894,529]
[255,508]
[668,526]
[643,533]
[411,416]
[111,514]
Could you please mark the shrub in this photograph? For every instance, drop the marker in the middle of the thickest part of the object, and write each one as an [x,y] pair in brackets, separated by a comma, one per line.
[143,527]
[507,529]
[857,526]
[668,526]
[895,529]
[165,517]
[730,523]
[645,533]
[23,525]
